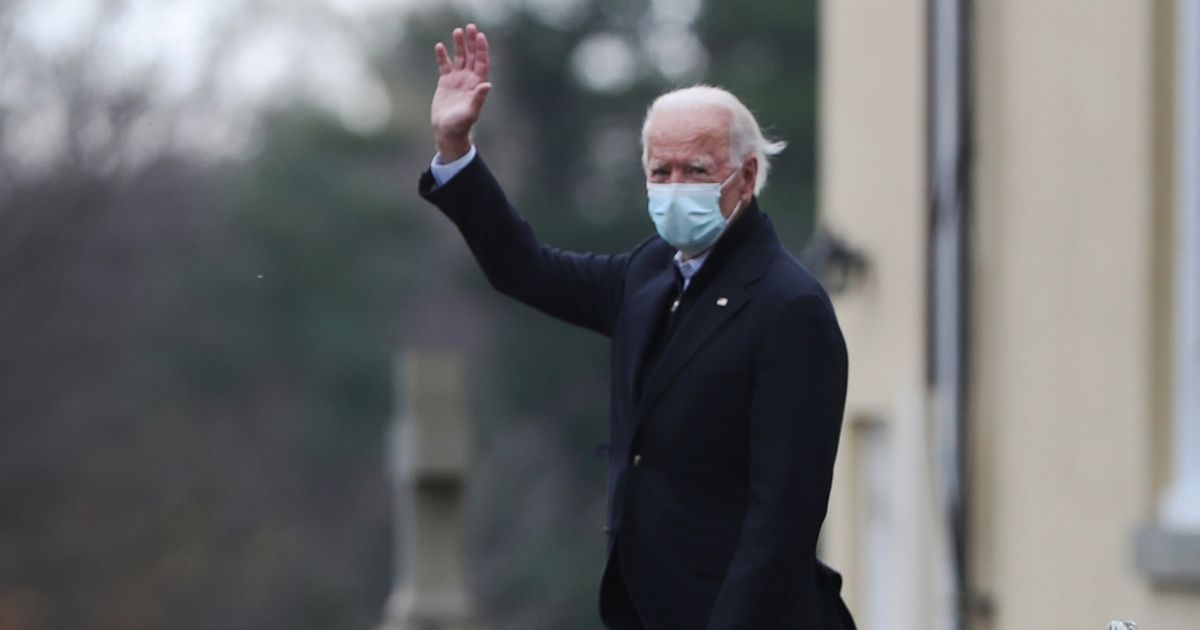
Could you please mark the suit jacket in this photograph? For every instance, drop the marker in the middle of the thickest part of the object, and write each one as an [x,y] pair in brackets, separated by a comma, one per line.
[722,445]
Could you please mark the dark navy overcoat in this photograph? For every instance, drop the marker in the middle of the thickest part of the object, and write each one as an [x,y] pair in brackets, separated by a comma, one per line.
[721,449]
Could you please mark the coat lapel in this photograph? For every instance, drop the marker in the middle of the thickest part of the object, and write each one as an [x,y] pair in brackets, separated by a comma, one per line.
[714,308]
[718,303]
[645,309]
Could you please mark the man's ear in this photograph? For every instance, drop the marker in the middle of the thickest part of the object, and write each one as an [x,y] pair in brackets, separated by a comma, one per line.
[750,172]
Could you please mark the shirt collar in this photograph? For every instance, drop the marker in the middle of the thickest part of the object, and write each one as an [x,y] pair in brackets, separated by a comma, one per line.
[689,267]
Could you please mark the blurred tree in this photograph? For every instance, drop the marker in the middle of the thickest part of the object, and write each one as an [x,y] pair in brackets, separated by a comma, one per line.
[194,358]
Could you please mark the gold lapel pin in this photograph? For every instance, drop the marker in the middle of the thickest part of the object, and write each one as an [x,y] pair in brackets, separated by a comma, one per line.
[722,301]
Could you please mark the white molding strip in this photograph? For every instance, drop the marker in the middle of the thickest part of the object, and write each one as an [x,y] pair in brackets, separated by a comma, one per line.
[1181,504]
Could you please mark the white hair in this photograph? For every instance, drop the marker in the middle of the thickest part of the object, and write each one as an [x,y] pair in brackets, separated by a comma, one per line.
[745,136]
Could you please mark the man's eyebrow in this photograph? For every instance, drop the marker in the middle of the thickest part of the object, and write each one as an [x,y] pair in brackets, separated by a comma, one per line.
[698,163]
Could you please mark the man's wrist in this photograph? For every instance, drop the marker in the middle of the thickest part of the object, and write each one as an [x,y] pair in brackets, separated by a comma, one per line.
[451,149]
[444,170]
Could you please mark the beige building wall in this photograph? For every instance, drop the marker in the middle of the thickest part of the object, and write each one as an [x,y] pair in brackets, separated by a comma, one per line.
[873,190]
[1064,215]
[1069,303]
[1071,100]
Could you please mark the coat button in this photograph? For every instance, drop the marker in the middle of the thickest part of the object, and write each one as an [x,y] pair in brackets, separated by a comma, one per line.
[608,530]
[637,461]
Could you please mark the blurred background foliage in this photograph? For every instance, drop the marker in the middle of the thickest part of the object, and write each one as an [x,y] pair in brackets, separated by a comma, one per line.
[201,294]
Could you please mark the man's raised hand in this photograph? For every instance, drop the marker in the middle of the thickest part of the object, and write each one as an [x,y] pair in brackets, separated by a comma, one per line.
[461,90]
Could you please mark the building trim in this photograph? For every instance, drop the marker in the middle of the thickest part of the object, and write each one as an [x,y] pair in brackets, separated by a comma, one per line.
[1180,508]
[949,269]
[1169,558]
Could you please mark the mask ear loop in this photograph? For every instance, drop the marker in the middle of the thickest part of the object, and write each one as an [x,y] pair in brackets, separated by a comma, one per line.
[733,214]
[737,207]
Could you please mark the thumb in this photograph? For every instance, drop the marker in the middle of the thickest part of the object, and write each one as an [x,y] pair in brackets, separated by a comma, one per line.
[479,95]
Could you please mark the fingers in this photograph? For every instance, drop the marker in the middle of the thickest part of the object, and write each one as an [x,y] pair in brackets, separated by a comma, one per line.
[443,60]
[469,39]
[470,52]
[460,50]
[480,95]
[481,56]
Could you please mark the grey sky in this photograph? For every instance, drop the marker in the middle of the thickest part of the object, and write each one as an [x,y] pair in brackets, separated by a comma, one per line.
[211,64]
[266,47]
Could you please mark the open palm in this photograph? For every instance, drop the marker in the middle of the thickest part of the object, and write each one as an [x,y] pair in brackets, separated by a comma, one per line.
[462,88]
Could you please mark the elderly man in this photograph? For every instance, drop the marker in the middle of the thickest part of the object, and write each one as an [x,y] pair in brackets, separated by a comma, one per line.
[728,366]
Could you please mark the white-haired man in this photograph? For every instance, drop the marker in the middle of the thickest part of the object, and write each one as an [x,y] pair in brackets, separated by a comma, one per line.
[728,366]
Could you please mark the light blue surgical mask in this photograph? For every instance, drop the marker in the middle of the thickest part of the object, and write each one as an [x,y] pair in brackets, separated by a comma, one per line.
[688,216]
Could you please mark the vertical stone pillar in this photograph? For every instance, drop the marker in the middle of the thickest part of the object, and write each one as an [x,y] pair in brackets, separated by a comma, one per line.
[430,450]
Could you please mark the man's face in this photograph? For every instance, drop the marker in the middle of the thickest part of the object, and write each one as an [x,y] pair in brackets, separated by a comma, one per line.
[692,146]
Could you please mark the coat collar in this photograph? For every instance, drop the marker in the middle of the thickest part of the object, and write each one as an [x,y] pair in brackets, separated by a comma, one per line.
[743,251]
[720,291]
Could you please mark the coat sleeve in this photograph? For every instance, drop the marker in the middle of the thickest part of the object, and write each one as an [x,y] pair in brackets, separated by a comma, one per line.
[581,289]
[796,416]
